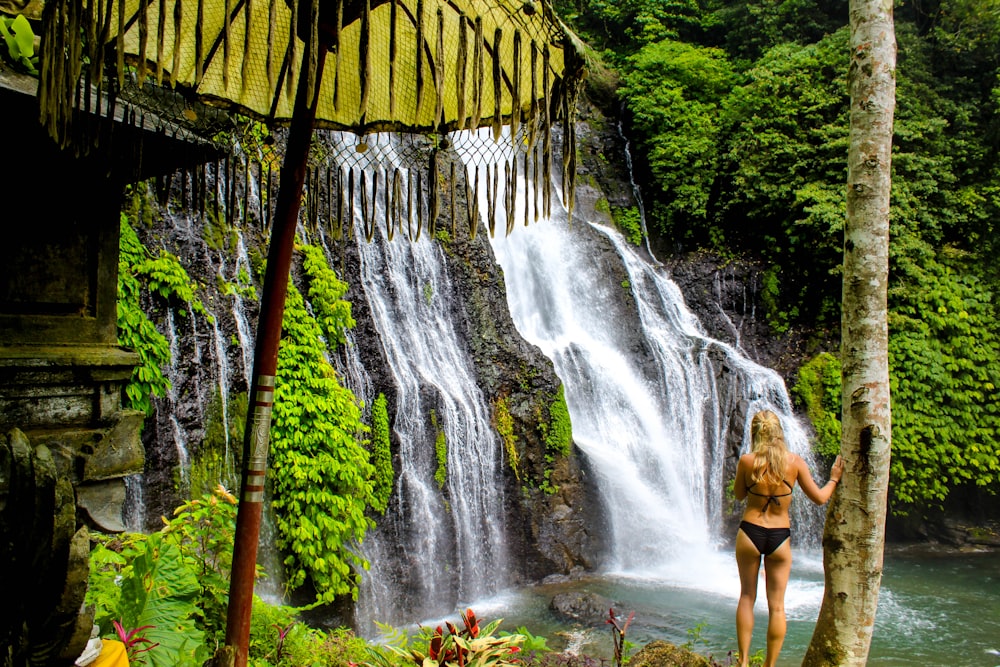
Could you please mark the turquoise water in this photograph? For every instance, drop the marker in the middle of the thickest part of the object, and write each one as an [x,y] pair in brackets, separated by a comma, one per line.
[936,608]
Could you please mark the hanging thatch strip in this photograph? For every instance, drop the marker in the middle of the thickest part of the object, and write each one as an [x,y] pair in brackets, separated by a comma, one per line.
[393,30]
[537,172]
[61,61]
[387,208]
[368,221]
[511,192]
[350,199]
[292,48]
[547,135]
[272,19]
[409,205]
[161,39]
[472,204]
[178,19]
[397,196]
[247,30]
[225,44]
[527,181]
[199,42]
[497,81]
[338,219]
[460,71]
[119,42]
[569,155]
[532,119]
[337,27]
[419,46]
[439,71]
[420,203]
[364,61]
[515,88]
[491,196]
[477,73]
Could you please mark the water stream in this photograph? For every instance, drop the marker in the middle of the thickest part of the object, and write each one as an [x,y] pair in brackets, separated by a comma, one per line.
[441,542]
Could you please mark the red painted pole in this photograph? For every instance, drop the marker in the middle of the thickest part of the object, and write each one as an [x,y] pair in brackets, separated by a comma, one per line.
[256,438]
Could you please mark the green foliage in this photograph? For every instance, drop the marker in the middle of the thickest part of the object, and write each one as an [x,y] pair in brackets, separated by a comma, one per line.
[451,646]
[944,356]
[322,475]
[140,580]
[629,223]
[440,452]
[243,285]
[135,330]
[780,187]
[279,639]
[163,277]
[504,424]
[325,291]
[20,41]
[674,91]
[176,582]
[559,434]
[381,455]
[204,530]
[818,391]
[740,112]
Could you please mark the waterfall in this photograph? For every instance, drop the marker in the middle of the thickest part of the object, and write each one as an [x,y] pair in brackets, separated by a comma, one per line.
[436,548]
[651,397]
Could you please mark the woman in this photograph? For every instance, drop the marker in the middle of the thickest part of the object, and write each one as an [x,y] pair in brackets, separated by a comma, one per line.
[766,477]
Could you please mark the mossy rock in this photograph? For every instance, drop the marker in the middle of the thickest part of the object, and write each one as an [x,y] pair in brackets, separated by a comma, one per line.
[664,654]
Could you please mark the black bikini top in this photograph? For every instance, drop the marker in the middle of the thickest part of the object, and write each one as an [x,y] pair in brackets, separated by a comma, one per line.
[771,499]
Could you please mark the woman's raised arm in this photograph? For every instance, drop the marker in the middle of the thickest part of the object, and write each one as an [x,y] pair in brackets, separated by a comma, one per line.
[818,494]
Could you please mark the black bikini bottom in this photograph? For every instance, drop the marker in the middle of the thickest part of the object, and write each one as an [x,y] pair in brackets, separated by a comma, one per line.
[766,540]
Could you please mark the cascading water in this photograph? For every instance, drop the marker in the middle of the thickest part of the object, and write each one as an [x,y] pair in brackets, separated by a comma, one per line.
[436,548]
[650,395]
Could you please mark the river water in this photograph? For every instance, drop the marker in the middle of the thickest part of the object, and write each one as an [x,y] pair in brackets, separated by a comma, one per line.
[937,608]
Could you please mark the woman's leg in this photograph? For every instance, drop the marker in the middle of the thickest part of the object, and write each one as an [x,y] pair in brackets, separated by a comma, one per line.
[748,562]
[777,569]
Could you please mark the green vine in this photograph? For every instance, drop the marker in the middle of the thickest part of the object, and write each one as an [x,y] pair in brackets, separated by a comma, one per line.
[135,330]
[440,453]
[325,292]
[504,424]
[818,391]
[322,479]
[381,454]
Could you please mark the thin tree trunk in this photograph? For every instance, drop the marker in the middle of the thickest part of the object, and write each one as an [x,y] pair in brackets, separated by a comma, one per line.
[854,535]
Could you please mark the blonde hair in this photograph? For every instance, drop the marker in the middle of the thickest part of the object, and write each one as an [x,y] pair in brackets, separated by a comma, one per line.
[767,441]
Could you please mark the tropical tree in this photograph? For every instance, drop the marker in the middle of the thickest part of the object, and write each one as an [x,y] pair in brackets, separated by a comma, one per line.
[854,535]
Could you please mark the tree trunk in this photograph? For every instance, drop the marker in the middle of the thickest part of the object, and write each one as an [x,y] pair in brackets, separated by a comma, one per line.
[854,535]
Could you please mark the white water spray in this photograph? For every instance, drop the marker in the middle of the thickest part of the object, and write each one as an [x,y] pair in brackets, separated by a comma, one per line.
[645,389]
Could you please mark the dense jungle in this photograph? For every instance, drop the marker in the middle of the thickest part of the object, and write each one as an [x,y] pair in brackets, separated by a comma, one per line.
[739,115]
[713,136]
